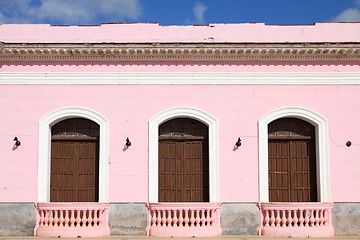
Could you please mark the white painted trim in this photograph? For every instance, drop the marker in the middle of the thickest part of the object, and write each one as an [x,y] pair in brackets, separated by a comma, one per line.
[322,149]
[212,124]
[44,153]
[104,78]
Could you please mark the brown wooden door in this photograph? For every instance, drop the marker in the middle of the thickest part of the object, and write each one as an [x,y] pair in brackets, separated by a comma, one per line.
[74,171]
[292,174]
[183,171]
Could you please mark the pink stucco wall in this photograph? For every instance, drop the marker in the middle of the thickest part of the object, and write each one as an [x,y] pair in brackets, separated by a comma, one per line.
[128,108]
[153,32]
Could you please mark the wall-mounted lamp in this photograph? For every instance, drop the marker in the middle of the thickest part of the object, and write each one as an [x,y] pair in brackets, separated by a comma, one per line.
[17,142]
[127,143]
[348,143]
[238,143]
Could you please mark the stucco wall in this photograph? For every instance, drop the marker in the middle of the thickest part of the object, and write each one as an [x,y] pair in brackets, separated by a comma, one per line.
[153,32]
[128,109]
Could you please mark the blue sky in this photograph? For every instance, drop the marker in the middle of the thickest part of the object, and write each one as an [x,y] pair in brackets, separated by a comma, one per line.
[178,12]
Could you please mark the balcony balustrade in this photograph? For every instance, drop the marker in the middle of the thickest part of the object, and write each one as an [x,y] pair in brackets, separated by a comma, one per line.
[72,220]
[296,219]
[183,219]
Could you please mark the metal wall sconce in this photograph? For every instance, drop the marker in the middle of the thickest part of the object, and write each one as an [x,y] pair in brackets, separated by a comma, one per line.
[238,143]
[17,142]
[348,143]
[127,143]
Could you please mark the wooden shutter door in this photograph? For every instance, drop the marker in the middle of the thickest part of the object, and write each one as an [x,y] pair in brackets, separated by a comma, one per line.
[183,171]
[292,176]
[170,171]
[74,171]
[279,171]
[292,161]
[63,175]
[303,177]
[195,172]
[87,170]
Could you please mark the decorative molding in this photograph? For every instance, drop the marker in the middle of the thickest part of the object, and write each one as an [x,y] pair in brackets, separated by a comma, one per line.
[322,149]
[178,51]
[44,155]
[168,114]
[188,78]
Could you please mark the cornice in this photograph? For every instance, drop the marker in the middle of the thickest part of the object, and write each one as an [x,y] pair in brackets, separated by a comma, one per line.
[179,51]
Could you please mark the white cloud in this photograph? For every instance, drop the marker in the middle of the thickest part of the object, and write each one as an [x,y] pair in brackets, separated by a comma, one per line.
[199,10]
[350,14]
[71,12]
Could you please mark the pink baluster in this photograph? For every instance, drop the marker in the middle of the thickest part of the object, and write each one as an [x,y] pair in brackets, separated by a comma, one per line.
[158,218]
[175,220]
[307,219]
[78,219]
[66,218]
[202,220]
[197,219]
[61,218]
[42,218]
[96,219]
[272,218]
[186,218]
[51,219]
[209,217]
[266,219]
[327,218]
[181,218]
[283,218]
[301,218]
[89,218]
[322,218]
[72,218]
[152,217]
[169,219]
[163,217]
[311,218]
[102,219]
[295,218]
[317,217]
[192,218]
[56,219]
[277,218]
[289,218]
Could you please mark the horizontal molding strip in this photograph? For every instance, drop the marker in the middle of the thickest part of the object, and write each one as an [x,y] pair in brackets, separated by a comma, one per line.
[183,78]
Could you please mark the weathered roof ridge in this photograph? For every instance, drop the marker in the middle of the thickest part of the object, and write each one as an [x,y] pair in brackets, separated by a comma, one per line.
[155,33]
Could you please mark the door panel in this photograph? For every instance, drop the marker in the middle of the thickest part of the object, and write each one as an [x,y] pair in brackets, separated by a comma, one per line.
[74,171]
[170,171]
[292,173]
[183,171]
[279,172]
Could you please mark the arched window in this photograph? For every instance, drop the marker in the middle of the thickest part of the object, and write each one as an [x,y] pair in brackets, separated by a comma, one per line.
[197,116]
[183,161]
[321,149]
[74,164]
[292,161]
[45,138]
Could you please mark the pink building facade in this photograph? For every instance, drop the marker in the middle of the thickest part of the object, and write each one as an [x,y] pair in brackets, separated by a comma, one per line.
[141,129]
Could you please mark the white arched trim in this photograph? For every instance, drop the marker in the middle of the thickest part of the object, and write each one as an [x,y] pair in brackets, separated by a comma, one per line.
[44,154]
[169,114]
[322,158]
